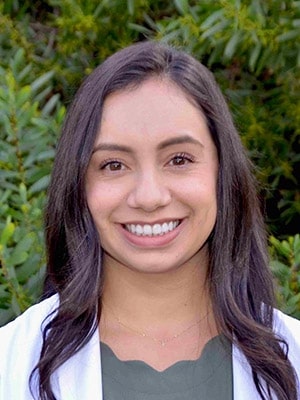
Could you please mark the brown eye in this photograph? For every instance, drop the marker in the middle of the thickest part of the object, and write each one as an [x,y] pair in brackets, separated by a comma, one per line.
[178,160]
[115,166]
[112,166]
[181,160]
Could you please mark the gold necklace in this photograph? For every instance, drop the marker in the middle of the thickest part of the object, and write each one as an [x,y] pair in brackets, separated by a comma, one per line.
[162,342]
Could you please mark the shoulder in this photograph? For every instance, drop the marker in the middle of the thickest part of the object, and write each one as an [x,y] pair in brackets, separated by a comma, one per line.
[25,332]
[20,346]
[36,313]
[288,328]
[285,327]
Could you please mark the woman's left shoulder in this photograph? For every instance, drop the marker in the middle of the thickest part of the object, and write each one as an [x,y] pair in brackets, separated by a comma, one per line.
[286,325]
[288,329]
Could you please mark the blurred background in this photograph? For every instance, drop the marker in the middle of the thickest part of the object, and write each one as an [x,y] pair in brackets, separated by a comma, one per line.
[48,47]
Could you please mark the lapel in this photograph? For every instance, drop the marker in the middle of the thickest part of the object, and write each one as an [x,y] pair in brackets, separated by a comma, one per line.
[243,385]
[80,377]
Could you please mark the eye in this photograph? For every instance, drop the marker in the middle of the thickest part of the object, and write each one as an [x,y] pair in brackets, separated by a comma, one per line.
[112,166]
[181,159]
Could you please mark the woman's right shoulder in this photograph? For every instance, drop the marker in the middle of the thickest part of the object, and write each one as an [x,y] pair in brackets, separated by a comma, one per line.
[25,332]
[20,347]
[35,313]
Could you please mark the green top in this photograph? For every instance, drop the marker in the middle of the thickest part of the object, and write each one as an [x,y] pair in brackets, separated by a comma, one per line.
[208,378]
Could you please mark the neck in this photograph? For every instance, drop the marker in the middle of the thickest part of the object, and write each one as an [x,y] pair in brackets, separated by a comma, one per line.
[159,301]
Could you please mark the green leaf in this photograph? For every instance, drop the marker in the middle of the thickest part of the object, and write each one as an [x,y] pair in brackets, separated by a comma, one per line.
[23,95]
[296,23]
[232,44]
[50,105]
[23,192]
[46,155]
[15,306]
[219,27]
[139,28]
[7,232]
[182,6]
[214,17]
[25,243]
[18,59]
[294,34]
[41,96]
[130,7]
[42,80]
[16,258]
[40,185]
[254,56]
[29,268]
[24,73]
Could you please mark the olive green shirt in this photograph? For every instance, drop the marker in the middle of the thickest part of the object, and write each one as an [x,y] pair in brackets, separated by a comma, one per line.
[208,378]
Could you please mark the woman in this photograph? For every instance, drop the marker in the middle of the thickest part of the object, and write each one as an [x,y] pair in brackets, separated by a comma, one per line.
[156,245]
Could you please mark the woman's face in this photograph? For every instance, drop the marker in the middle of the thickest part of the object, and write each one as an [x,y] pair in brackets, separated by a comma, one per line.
[151,181]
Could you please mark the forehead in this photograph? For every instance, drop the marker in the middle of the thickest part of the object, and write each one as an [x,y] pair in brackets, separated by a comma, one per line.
[154,108]
[152,90]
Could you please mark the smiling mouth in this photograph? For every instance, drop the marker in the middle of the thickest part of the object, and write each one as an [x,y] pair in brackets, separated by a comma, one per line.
[152,230]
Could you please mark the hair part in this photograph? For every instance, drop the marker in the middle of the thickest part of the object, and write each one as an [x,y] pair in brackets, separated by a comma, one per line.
[238,277]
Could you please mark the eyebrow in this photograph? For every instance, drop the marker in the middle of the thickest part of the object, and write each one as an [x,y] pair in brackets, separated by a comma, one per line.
[179,140]
[112,147]
[166,143]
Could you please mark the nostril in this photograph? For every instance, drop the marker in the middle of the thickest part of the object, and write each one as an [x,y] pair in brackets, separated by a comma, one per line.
[149,196]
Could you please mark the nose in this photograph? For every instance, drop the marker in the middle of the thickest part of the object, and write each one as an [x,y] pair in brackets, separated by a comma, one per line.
[150,191]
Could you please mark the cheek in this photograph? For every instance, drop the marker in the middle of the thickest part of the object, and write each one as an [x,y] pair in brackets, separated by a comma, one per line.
[102,200]
[199,192]
[95,200]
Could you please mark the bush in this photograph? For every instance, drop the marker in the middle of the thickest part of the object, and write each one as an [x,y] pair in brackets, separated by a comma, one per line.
[29,122]
[286,268]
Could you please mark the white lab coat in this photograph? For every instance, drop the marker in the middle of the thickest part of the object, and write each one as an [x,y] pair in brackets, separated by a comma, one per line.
[79,378]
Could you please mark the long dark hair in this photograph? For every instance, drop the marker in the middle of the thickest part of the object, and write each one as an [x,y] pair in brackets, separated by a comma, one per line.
[238,276]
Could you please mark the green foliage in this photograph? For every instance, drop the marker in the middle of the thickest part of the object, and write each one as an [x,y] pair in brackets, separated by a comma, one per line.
[76,35]
[286,268]
[30,118]
[48,47]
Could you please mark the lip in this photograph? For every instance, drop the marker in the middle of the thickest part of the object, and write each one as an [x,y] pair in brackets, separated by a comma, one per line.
[151,241]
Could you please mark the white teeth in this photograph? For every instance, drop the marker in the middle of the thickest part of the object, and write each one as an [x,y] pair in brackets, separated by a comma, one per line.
[157,229]
[165,227]
[152,230]
[138,230]
[147,230]
[133,228]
